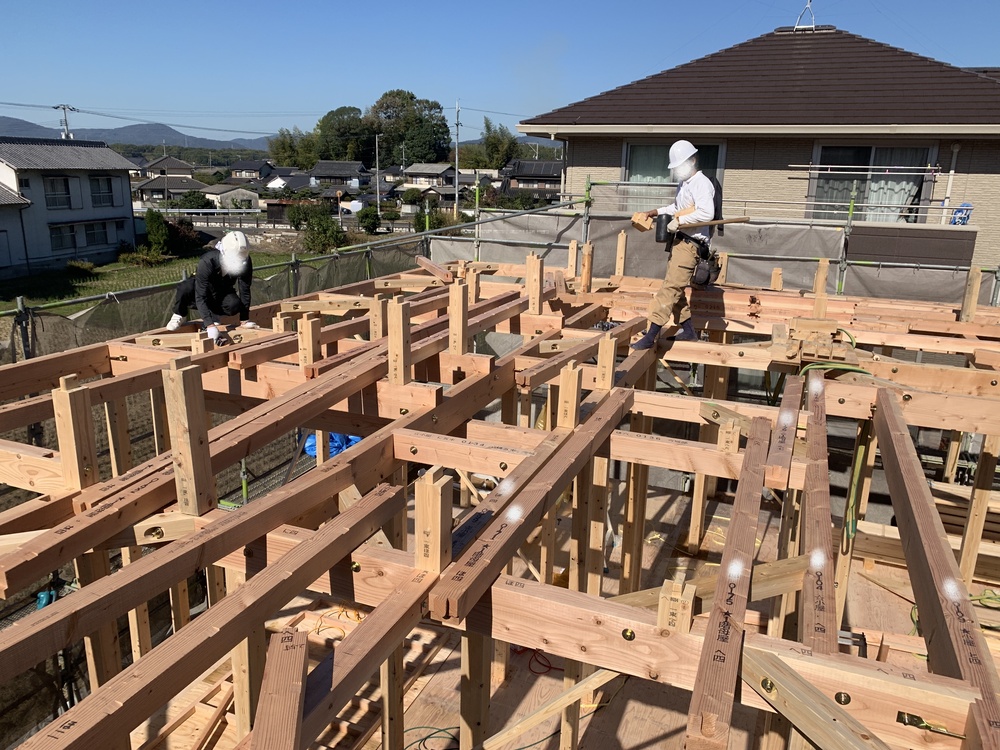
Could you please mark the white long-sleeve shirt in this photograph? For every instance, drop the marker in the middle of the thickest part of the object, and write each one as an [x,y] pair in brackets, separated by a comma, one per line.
[697,191]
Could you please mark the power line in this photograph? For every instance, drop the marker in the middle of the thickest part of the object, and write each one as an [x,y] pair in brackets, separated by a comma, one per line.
[139,120]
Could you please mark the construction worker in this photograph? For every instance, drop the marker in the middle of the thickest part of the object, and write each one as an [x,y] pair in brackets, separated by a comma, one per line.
[694,203]
[213,288]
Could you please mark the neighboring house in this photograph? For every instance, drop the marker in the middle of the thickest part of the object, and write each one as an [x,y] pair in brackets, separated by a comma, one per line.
[61,199]
[542,178]
[352,174]
[811,122]
[424,175]
[230,196]
[140,162]
[165,188]
[168,166]
[246,170]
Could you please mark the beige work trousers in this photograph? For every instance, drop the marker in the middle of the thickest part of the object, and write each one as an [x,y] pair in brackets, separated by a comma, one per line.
[670,305]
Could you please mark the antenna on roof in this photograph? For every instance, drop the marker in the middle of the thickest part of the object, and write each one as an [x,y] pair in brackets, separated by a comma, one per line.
[808,9]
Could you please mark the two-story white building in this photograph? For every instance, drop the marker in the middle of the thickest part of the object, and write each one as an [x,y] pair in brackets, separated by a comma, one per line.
[61,199]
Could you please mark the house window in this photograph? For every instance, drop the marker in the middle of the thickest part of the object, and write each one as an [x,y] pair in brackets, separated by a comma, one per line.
[57,192]
[871,183]
[647,163]
[24,183]
[120,226]
[101,194]
[97,234]
[63,238]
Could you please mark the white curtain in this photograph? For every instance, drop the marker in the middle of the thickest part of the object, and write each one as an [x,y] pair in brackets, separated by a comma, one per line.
[893,194]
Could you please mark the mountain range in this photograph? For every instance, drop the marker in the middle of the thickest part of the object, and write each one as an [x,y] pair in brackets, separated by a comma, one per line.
[155,135]
[139,135]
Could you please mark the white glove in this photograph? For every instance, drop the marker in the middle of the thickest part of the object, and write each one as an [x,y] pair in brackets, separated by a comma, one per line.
[213,332]
[249,324]
[673,226]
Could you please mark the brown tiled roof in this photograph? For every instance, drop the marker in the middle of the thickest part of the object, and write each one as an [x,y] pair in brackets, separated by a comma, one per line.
[795,78]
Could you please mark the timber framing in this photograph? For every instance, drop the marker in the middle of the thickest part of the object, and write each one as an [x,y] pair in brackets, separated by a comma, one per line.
[394,361]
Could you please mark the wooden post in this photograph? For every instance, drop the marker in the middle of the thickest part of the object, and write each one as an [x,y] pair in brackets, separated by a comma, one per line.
[819,280]
[475,689]
[950,466]
[310,347]
[278,723]
[860,483]
[283,322]
[723,268]
[458,319]
[587,268]
[138,618]
[391,679]
[620,252]
[635,506]
[971,299]
[675,609]
[399,342]
[161,430]
[378,317]
[104,658]
[196,491]
[472,284]
[119,442]
[248,660]
[777,284]
[432,520]
[75,432]
[571,258]
[534,278]
[978,506]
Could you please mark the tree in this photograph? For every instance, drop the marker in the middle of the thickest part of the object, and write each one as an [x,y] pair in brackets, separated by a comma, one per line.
[194,199]
[322,232]
[294,148]
[157,232]
[401,119]
[342,135]
[412,196]
[369,220]
[499,144]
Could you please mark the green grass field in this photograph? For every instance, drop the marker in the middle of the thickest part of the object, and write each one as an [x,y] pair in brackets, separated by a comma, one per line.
[46,287]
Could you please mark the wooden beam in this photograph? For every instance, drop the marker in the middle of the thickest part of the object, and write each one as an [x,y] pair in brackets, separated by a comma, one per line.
[435,270]
[955,645]
[121,704]
[709,716]
[815,715]
[278,723]
[779,458]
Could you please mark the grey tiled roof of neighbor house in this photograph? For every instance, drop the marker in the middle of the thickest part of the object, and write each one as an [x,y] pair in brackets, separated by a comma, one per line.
[173,182]
[51,153]
[168,162]
[423,168]
[327,168]
[220,188]
[253,165]
[796,78]
[9,198]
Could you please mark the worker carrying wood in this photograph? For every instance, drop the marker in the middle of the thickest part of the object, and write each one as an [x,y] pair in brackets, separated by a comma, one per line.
[693,204]
[213,288]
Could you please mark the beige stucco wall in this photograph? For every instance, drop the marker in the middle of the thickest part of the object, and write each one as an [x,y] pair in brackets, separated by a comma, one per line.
[976,181]
[757,169]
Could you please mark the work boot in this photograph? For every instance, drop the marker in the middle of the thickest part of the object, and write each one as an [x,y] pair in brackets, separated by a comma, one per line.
[686,332]
[648,339]
[175,322]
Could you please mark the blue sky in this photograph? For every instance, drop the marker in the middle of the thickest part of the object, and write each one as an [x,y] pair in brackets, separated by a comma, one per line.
[252,67]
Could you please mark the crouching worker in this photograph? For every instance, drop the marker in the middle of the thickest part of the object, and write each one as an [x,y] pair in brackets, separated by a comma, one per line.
[220,286]
[694,203]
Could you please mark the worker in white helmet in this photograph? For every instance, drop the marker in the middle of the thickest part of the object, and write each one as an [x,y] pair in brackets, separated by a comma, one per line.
[220,286]
[694,203]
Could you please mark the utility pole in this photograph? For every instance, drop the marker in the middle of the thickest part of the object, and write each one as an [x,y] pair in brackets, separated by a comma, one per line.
[378,201]
[458,124]
[404,156]
[66,109]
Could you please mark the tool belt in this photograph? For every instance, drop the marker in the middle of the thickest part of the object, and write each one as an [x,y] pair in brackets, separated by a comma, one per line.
[707,269]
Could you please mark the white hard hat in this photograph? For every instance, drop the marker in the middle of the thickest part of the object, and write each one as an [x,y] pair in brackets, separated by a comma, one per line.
[235,244]
[680,152]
